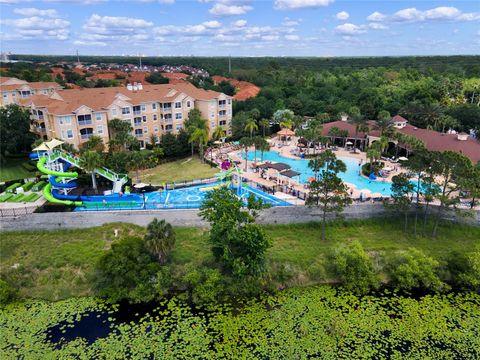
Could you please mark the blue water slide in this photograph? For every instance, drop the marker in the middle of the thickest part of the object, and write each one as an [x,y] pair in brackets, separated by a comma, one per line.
[55,183]
[36,155]
[108,198]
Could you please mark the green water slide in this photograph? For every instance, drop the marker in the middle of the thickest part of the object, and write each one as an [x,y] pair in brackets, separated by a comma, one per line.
[47,194]
[43,169]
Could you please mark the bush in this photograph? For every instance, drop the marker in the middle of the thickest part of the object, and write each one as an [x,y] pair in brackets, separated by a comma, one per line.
[205,285]
[465,270]
[415,270]
[354,268]
[7,292]
[128,271]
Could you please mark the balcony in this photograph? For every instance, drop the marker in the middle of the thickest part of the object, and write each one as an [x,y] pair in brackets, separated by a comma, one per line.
[85,136]
[137,123]
[137,112]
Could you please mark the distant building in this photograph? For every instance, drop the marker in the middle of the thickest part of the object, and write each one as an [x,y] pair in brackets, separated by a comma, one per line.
[14,89]
[434,140]
[74,115]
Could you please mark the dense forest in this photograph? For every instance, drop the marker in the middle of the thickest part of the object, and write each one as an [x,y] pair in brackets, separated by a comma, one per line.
[438,92]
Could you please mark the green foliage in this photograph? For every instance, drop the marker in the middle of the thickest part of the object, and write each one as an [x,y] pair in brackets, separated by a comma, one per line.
[159,239]
[465,270]
[205,285]
[156,78]
[238,244]
[128,271]
[317,322]
[7,292]
[15,135]
[354,268]
[94,143]
[327,191]
[415,270]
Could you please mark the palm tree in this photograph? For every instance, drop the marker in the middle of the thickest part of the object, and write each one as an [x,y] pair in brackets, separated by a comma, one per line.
[136,161]
[194,122]
[315,164]
[246,143]
[264,123]
[360,123]
[219,133]
[373,153]
[159,239]
[334,132]
[200,136]
[251,126]
[89,161]
[287,123]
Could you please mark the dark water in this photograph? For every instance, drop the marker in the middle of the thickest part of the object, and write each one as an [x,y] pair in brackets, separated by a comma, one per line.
[98,324]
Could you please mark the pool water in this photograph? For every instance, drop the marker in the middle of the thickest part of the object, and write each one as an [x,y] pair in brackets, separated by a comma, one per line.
[184,198]
[351,176]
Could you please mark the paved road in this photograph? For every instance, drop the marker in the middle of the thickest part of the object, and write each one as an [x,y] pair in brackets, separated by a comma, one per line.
[278,215]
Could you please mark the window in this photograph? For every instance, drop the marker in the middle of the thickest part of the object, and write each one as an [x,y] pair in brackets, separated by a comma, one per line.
[222,113]
[137,110]
[138,132]
[188,104]
[114,112]
[45,92]
[154,117]
[168,128]
[25,93]
[223,123]
[179,127]
[178,116]
[178,105]
[125,110]
[98,116]
[212,124]
[166,106]
[145,130]
[212,115]
[14,94]
[99,129]
[221,103]
[142,144]
[40,114]
[86,133]
[84,119]
[154,106]
[229,101]
[168,117]
[62,120]
[69,134]
[144,118]
[155,128]
[137,121]
[143,107]
[5,95]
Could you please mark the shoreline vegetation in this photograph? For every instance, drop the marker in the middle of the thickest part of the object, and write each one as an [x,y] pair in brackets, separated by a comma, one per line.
[55,265]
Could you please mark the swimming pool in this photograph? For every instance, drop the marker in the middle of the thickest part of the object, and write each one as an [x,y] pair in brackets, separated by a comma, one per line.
[350,176]
[184,198]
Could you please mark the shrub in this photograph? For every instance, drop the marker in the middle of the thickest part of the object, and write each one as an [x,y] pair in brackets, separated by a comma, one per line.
[465,270]
[415,270]
[354,268]
[7,292]
[128,271]
[205,285]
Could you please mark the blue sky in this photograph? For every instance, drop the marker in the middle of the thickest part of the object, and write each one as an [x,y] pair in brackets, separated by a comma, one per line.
[240,27]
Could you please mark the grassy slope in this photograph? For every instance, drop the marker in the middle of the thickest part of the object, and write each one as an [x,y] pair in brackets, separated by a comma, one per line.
[13,170]
[57,264]
[183,169]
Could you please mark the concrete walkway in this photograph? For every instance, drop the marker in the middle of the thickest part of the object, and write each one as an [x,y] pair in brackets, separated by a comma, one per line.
[275,215]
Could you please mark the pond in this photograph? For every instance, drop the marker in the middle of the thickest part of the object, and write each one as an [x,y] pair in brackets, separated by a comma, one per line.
[320,322]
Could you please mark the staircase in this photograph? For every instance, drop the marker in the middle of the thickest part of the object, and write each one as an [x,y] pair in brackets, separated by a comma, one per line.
[118,179]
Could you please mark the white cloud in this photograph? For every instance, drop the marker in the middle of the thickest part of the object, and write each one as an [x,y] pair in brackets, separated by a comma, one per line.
[290,22]
[221,9]
[36,28]
[212,24]
[376,16]
[377,26]
[89,43]
[342,15]
[441,13]
[350,29]
[270,37]
[240,23]
[300,4]
[292,37]
[36,12]
[114,25]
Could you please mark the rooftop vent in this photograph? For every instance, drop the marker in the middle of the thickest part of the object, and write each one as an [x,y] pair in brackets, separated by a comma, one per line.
[129,87]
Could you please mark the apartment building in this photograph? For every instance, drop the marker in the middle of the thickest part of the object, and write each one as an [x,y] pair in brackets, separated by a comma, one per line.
[14,89]
[77,114]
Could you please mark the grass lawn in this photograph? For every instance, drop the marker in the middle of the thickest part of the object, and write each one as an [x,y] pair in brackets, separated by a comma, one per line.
[175,171]
[13,170]
[58,264]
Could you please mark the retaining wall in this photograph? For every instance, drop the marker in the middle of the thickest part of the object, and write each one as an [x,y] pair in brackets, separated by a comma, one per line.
[275,215]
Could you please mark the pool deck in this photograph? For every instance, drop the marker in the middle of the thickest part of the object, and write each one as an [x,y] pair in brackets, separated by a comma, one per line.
[289,150]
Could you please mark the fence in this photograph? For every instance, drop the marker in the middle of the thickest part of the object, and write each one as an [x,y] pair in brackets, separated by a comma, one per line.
[12,212]
[181,184]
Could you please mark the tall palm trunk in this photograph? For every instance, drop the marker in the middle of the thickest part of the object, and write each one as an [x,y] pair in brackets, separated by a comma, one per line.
[94,181]
[417,206]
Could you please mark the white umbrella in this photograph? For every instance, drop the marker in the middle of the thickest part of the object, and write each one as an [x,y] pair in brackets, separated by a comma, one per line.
[402,158]
[140,185]
[348,143]
[388,168]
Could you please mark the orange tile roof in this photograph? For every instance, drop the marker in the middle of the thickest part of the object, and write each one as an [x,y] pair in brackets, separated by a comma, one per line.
[99,99]
[33,85]
[175,75]
[245,89]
